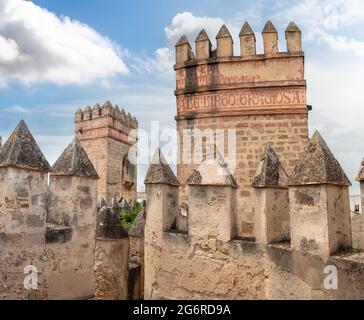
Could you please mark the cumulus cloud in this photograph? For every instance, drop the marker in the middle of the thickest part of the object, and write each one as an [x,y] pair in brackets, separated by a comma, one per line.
[38,46]
[190,25]
[324,20]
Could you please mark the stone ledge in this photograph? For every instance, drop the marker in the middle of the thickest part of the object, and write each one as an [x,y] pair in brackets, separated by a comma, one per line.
[58,234]
[310,269]
[279,55]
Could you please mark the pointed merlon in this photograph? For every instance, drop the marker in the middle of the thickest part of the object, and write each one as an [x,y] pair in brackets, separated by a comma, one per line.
[115,203]
[360,176]
[182,41]
[202,36]
[159,171]
[138,226]
[246,30]
[212,172]
[109,225]
[269,28]
[79,111]
[270,172]
[107,104]
[292,27]
[223,32]
[22,151]
[317,165]
[75,162]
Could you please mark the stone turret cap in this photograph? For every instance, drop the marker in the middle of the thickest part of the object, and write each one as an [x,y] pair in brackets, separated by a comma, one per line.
[317,165]
[75,162]
[270,172]
[360,176]
[269,28]
[223,32]
[183,40]
[292,27]
[109,225]
[246,29]
[202,36]
[138,226]
[159,171]
[212,172]
[22,151]
[107,104]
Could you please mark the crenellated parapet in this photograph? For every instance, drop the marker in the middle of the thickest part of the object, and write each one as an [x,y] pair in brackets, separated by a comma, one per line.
[105,121]
[302,230]
[48,220]
[250,83]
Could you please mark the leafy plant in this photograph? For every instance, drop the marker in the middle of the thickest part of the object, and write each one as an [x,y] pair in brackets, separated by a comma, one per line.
[129,216]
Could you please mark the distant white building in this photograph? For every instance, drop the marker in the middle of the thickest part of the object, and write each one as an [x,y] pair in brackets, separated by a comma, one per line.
[355,204]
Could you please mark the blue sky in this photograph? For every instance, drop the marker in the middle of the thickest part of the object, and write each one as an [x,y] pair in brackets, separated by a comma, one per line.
[59,55]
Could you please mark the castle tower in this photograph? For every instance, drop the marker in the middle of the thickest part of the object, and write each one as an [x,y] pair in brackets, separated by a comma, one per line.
[107,134]
[261,98]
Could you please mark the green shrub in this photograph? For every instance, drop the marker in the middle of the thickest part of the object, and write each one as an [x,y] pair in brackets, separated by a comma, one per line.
[129,216]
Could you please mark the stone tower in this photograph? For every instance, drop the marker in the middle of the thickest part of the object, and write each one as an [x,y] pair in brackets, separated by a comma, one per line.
[261,96]
[107,134]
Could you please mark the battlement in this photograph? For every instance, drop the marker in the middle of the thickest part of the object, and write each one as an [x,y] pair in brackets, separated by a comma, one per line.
[48,219]
[224,45]
[215,83]
[105,121]
[302,225]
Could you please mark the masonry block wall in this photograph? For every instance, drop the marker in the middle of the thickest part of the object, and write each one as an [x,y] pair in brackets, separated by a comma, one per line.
[262,96]
[111,256]
[107,134]
[47,221]
[299,236]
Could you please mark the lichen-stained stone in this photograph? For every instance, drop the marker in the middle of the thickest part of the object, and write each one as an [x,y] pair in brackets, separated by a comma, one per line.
[75,162]
[159,171]
[22,151]
[212,171]
[317,165]
[109,225]
[270,172]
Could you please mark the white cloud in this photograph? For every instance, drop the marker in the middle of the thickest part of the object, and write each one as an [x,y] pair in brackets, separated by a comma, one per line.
[17,109]
[190,25]
[38,46]
[324,20]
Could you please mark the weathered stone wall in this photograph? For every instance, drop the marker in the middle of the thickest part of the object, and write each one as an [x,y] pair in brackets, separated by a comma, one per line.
[262,96]
[111,268]
[208,262]
[73,205]
[357,227]
[22,231]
